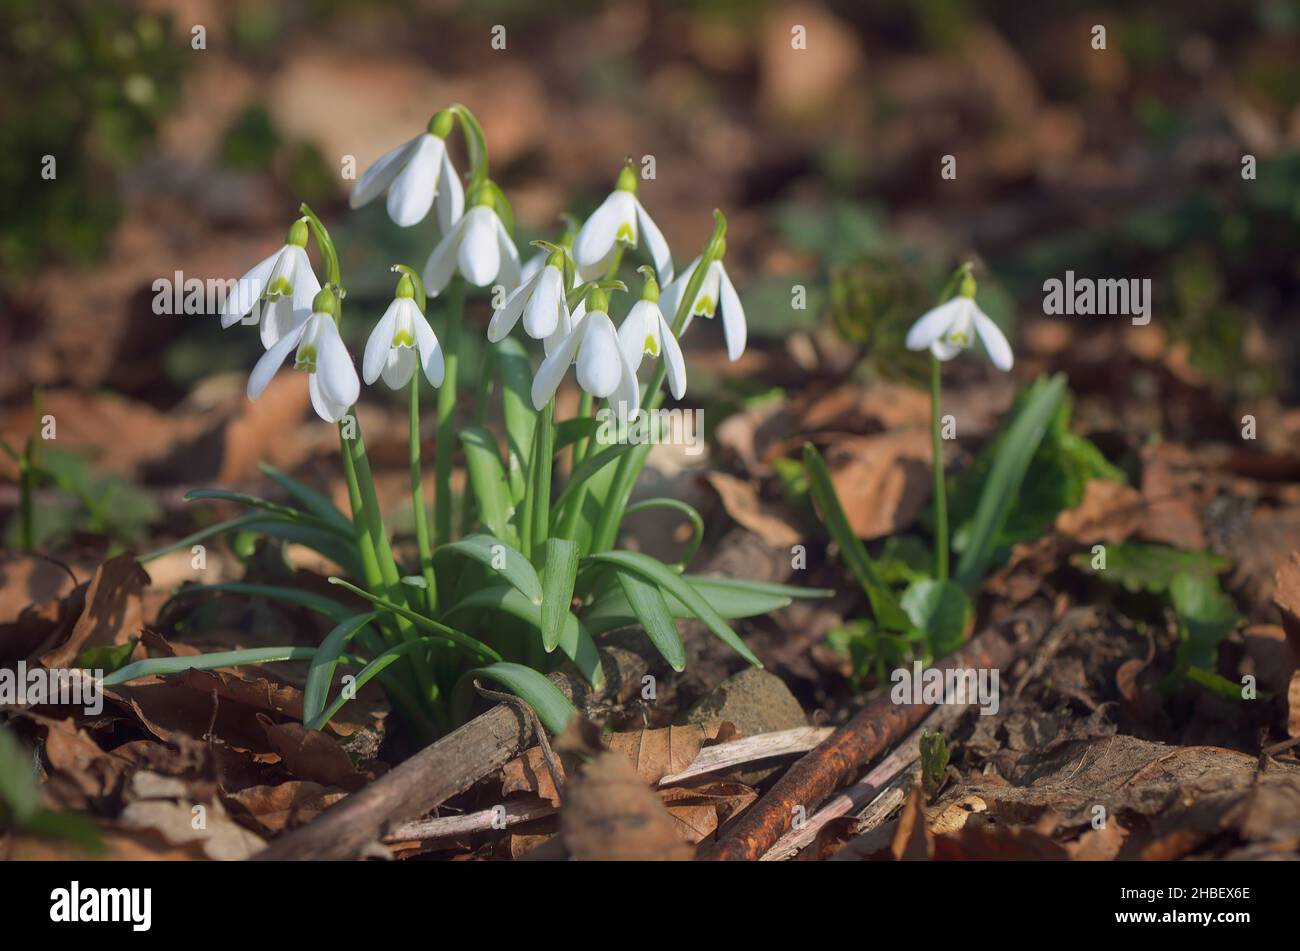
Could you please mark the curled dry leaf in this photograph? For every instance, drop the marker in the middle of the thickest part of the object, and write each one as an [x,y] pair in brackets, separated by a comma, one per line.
[883,481]
[286,806]
[1109,512]
[312,755]
[740,499]
[112,613]
[610,813]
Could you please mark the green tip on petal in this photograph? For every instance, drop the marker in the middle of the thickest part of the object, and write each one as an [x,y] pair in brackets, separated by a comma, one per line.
[305,359]
[968,285]
[650,346]
[403,338]
[651,290]
[627,180]
[405,287]
[597,301]
[325,302]
[441,124]
[298,234]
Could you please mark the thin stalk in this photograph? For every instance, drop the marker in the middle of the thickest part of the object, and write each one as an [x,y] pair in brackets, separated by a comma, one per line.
[543,459]
[584,412]
[417,502]
[940,491]
[447,412]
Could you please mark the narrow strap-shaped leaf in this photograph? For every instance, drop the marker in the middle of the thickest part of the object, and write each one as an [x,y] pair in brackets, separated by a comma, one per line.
[575,642]
[323,663]
[343,552]
[315,501]
[517,410]
[450,633]
[551,705]
[558,575]
[306,599]
[673,583]
[588,468]
[883,603]
[651,610]
[500,557]
[487,480]
[174,665]
[253,501]
[1006,476]
[677,505]
[219,528]
[570,431]
[368,673]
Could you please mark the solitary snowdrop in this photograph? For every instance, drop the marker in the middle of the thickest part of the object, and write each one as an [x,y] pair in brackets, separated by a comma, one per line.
[417,176]
[320,352]
[603,369]
[539,300]
[285,285]
[401,339]
[620,219]
[477,245]
[951,327]
[646,331]
[716,291]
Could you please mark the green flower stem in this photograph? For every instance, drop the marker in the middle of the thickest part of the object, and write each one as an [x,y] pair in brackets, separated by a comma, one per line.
[581,447]
[417,502]
[447,412]
[534,524]
[940,491]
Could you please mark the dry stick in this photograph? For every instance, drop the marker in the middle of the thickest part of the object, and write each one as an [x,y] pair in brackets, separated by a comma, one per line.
[750,749]
[870,788]
[446,827]
[877,726]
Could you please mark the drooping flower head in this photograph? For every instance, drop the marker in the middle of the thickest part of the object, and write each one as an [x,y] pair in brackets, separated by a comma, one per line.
[716,293]
[603,369]
[540,300]
[401,339]
[417,175]
[620,219]
[952,327]
[318,351]
[283,284]
[478,245]
[646,331]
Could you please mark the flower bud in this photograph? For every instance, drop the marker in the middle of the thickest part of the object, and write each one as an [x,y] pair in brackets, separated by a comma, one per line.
[298,234]
[627,180]
[441,124]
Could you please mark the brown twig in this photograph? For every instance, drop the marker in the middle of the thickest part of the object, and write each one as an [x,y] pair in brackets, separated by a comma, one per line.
[875,728]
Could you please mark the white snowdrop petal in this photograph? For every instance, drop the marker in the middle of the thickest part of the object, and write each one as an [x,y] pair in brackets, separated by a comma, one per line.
[247,290]
[479,256]
[411,194]
[933,324]
[600,363]
[450,199]
[553,368]
[381,174]
[636,326]
[442,261]
[399,367]
[326,407]
[334,369]
[507,315]
[509,274]
[734,329]
[542,315]
[626,398]
[673,360]
[596,238]
[431,358]
[944,350]
[269,362]
[994,342]
[379,343]
[655,244]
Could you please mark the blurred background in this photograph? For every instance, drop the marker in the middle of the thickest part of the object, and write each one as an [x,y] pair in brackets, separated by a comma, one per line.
[1117,163]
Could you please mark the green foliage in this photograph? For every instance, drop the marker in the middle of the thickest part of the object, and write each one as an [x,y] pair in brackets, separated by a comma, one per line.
[940,610]
[1205,617]
[1138,566]
[934,761]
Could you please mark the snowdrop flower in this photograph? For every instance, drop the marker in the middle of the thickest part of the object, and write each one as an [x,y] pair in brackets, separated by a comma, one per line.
[320,352]
[620,219]
[402,338]
[947,329]
[716,291]
[540,300]
[417,176]
[283,283]
[645,331]
[603,369]
[479,246]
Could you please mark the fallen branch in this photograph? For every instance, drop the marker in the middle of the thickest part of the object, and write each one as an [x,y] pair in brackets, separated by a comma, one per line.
[811,780]
[447,827]
[876,785]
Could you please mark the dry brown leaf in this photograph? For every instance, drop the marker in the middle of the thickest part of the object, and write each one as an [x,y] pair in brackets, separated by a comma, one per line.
[112,612]
[661,752]
[1293,706]
[286,806]
[1286,596]
[312,755]
[1171,517]
[1109,512]
[528,773]
[912,840]
[218,836]
[702,810]
[883,481]
[1098,845]
[740,499]
[610,813]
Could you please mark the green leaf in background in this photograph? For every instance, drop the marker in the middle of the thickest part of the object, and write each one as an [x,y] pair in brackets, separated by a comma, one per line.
[325,661]
[517,409]
[106,657]
[940,610]
[934,761]
[1138,566]
[1205,617]
[886,608]
[497,556]
[18,788]
[1011,456]
[487,479]
[551,705]
[315,502]
[304,599]
[174,665]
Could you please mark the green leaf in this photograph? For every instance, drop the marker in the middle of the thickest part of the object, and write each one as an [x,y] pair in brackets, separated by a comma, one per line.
[551,705]
[419,620]
[1006,476]
[883,604]
[275,508]
[1205,617]
[174,665]
[306,599]
[220,528]
[487,479]
[583,473]
[1138,567]
[324,662]
[496,555]
[651,610]
[343,552]
[558,575]
[571,431]
[940,610]
[731,598]
[575,639]
[517,409]
[1217,684]
[934,761]
[677,505]
[106,657]
[18,788]
[367,673]
[316,502]
[668,580]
